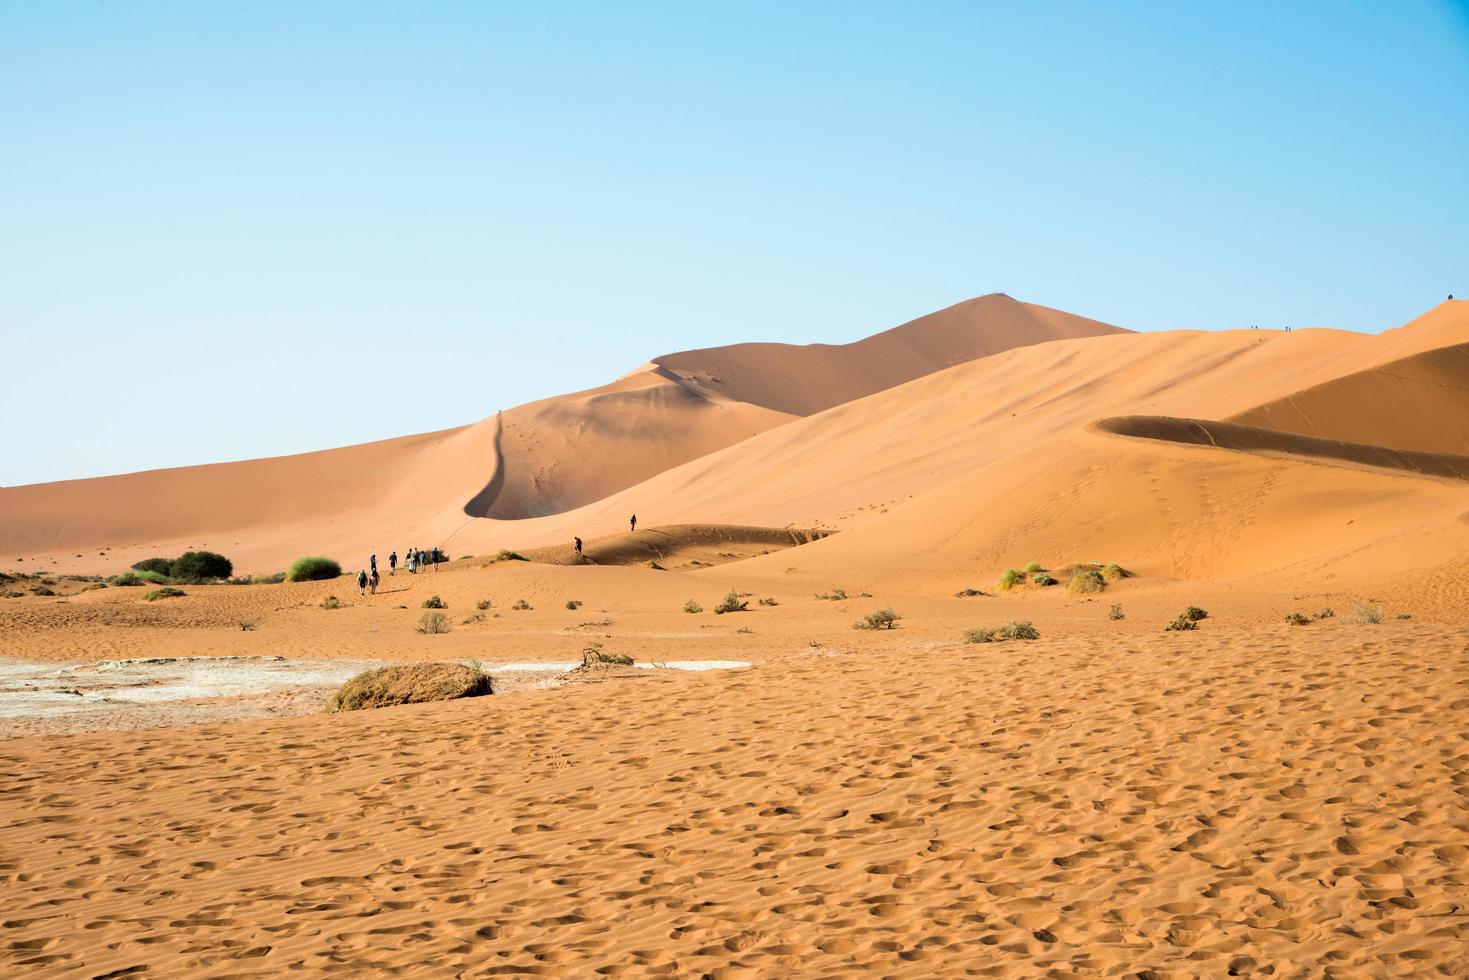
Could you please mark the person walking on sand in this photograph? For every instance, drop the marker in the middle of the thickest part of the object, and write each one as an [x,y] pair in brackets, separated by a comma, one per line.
[633,523]
[372,563]
[408,563]
[393,563]
[578,546]
[361,582]
[373,580]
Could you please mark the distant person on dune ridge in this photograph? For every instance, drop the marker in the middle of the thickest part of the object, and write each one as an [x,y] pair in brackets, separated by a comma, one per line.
[578,546]
[633,523]
[373,580]
[393,563]
[372,563]
[361,582]
[410,563]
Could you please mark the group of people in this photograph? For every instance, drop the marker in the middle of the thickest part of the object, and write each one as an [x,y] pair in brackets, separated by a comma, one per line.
[415,559]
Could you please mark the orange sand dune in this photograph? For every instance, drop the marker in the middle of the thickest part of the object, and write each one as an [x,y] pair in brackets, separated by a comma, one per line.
[678,545]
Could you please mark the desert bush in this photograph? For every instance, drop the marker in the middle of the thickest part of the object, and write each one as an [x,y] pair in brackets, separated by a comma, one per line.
[1084,581]
[1116,613]
[1403,616]
[883,619]
[160,565]
[1033,567]
[573,603]
[478,617]
[433,622]
[1326,613]
[433,602]
[247,624]
[521,604]
[312,568]
[42,590]
[769,601]
[1363,614]
[1298,619]
[1013,630]
[1113,571]
[731,603]
[1194,614]
[969,593]
[1041,578]
[692,606]
[593,655]
[505,554]
[201,566]
[1009,579]
[410,684]
[331,602]
[835,595]
[1182,623]
[167,592]
[483,604]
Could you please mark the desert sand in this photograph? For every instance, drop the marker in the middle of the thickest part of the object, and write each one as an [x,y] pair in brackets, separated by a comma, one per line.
[1250,797]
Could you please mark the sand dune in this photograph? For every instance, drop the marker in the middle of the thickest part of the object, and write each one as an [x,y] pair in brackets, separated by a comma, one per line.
[678,546]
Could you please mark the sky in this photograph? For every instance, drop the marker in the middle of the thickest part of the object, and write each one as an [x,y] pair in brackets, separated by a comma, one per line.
[242,229]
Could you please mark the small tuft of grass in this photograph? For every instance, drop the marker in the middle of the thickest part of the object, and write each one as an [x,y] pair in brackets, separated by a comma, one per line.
[769,601]
[835,595]
[1326,613]
[1009,579]
[433,602]
[1033,567]
[1116,613]
[1194,614]
[505,554]
[433,623]
[332,602]
[248,624]
[744,629]
[521,604]
[167,592]
[692,606]
[1298,619]
[1181,624]
[1042,579]
[573,603]
[1084,581]
[1363,614]
[1403,616]
[969,593]
[883,619]
[483,604]
[732,603]
[478,617]
[593,655]
[1113,571]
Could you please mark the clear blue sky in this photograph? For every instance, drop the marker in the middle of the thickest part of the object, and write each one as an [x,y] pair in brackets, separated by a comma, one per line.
[242,229]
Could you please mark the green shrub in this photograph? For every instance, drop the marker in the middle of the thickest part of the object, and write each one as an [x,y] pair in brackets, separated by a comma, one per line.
[1182,623]
[573,603]
[1013,630]
[1114,571]
[167,592]
[883,619]
[1116,613]
[42,590]
[1363,614]
[201,566]
[1041,578]
[331,602]
[313,568]
[1085,580]
[692,606]
[1326,613]
[521,604]
[835,595]
[1009,579]
[731,603]
[434,622]
[433,602]
[769,601]
[1033,567]
[126,578]
[1298,619]
[1194,614]
[160,565]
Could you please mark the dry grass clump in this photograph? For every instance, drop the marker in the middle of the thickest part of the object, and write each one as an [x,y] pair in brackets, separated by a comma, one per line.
[483,604]
[1009,579]
[1363,614]
[248,624]
[410,684]
[331,602]
[1084,581]
[167,592]
[769,601]
[1113,571]
[732,603]
[1013,630]
[1033,567]
[969,593]
[1326,613]
[521,604]
[692,606]
[1403,616]
[433,602]
[1298,619]
[478,617]
[593,655]
[1181,624]
[505,554]
[433,623]
[835,595]
[883,619]
[1116,613]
